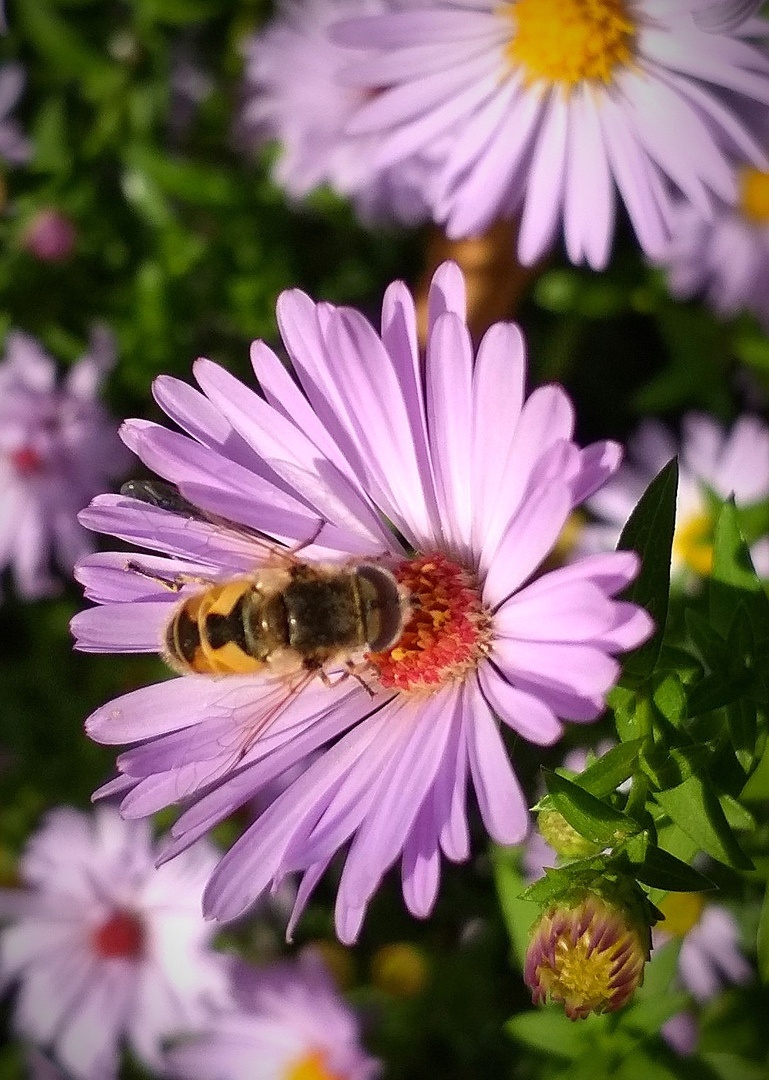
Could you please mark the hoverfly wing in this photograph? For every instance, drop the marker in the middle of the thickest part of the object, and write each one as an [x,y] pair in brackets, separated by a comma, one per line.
[163,496]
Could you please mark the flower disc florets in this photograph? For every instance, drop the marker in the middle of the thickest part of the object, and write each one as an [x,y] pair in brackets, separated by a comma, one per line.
[570,41]
[448,632]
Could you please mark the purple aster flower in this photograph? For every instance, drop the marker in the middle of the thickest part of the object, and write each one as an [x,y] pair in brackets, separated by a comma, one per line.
[58,447]
[288,1023]
[292,93]
[439,472]
[710,957]
[14,147]
[105,947]
[711,459]
[717,16]
[547,108]
[726,256]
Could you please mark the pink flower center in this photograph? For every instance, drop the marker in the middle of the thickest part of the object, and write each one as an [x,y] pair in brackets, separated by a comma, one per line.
[449,630]
[122,935]
[26,461]
[570,41]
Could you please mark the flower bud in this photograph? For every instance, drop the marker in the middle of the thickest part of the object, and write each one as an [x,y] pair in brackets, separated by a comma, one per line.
[588,951]
[562,838]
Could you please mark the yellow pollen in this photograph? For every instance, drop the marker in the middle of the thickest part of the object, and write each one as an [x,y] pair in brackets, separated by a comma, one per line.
[754,195]
[693,543]
[448,632]
[568,42]
[682,911]
[311,1067]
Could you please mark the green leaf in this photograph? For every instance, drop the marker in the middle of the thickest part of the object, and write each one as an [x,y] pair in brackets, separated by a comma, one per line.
[649,532]
[694,807]
[754,520]
[518,914]
[550,1032]
[591,817]
[734,580]
[613,768]
[661,870]
[648,1016]
[731,1067]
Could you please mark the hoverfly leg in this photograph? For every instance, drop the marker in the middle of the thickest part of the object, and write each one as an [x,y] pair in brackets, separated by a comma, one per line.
[350,671]
[307,542]
[174,584]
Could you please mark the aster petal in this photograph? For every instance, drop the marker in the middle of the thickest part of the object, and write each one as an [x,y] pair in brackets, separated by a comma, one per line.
[370,403]
[383,832]
[569,611]
[88,1044]
[501,801]
[220,486]
[106,578]
[523,712]
[589,202]
[450,791]
[447,292]
[546,418]
[449,376]
[572,679]
[292,456]
[529,538]
[406,28]
[544,190]
[153,710]
[421,865]
[497,396]
[119,628]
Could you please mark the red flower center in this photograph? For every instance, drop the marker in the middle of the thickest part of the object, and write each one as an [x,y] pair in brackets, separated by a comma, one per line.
[26,461]
[448,632]
[122,935]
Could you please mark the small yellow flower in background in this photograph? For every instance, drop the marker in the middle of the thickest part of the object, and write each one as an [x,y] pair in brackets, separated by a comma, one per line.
[400,969]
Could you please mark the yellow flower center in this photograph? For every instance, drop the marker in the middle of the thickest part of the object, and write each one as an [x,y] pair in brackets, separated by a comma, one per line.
[693,543]
[448,632]
[754,195]
[311,1067]
[682,911]
[567,42]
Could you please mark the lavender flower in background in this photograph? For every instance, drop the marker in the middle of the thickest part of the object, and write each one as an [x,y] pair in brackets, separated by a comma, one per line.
[543,107]
[479,482]
[58,447]
[710,958]
[717,16]
[288,1023]
[292,93]
[725,256]
[104,947]
[50,236]
[711,459]
[15,149]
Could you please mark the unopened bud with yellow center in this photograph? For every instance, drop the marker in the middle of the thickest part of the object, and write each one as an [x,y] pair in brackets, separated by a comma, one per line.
[563,838]
[400,969]
[588,952]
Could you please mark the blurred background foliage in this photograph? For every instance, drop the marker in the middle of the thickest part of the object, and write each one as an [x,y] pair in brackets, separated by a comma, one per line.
[182,245]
